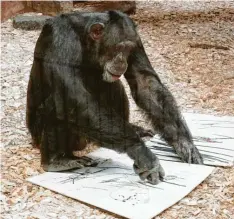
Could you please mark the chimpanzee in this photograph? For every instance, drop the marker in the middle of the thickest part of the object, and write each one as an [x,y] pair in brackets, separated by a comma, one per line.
[75,96]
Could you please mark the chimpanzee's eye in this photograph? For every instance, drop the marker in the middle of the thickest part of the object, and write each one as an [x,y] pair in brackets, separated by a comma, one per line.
[117,48]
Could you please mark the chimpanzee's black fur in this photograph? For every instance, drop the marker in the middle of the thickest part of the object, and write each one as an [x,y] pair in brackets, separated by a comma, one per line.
[73,96]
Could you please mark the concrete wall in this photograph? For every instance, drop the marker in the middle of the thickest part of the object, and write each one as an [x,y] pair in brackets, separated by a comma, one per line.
[10,8]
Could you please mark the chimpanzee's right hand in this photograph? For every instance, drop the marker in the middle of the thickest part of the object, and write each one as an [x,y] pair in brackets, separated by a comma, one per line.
[147,166]
[153,175]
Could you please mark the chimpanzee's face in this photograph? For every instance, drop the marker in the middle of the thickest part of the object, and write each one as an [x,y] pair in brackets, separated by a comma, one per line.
[115,61]
[115,41]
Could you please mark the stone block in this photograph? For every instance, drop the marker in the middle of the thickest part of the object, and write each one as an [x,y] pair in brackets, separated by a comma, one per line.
[29,22]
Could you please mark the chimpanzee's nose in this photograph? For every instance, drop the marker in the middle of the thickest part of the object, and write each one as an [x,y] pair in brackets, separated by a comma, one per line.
[120,63]
[119,58]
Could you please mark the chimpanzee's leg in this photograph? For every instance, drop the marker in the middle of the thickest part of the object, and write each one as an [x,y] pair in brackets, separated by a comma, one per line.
[56,150]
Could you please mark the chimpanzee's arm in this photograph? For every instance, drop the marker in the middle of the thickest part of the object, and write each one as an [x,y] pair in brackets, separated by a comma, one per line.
[160,106]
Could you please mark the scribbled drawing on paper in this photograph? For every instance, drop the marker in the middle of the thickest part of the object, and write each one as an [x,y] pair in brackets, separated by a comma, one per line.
[131,195]
[212,135]
[118,187]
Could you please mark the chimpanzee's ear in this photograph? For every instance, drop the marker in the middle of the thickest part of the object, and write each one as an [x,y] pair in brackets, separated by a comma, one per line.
[96,31]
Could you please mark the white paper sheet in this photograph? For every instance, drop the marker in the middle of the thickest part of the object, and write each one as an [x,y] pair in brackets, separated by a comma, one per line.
[113,185]
[213,136]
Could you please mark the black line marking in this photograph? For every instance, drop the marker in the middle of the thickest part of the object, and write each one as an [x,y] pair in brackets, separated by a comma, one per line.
[150,185]
[228,137]
[216,158]
[216,153]
[176,184]
[94,188]
[216,127]
[211,120]
[205,146]
[122,168]
[171,150]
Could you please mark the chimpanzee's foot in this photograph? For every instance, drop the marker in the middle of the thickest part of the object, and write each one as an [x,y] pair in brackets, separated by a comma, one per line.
[63,164]
[143,132]
[86,161]
[189,153]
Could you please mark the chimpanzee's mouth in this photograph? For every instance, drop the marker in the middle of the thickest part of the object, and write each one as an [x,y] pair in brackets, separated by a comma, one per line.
[118,76]
[113,75]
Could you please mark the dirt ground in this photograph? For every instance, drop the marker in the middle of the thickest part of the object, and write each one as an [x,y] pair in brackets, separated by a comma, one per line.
[191,46]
